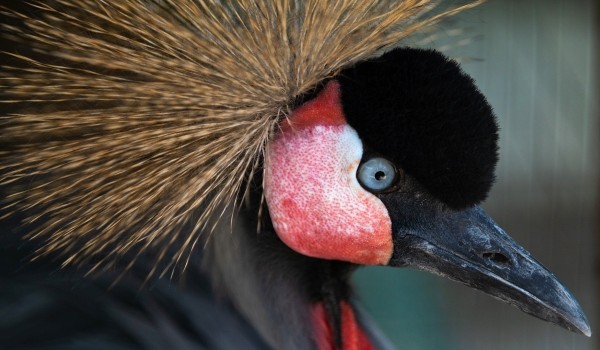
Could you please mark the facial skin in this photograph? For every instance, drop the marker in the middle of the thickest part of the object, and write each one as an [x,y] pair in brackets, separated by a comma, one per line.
[316,203]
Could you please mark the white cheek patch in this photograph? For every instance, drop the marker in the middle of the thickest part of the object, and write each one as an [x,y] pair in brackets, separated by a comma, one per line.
[317,206]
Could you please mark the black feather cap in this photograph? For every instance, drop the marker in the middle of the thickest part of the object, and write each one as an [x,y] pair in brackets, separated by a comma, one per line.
[419,109]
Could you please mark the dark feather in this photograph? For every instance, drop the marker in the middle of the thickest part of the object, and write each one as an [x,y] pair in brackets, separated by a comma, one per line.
[419,109]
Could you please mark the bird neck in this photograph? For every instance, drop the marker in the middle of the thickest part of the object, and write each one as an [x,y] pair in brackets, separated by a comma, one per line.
[346,335]
[272,286]
[332,315]
[334,322]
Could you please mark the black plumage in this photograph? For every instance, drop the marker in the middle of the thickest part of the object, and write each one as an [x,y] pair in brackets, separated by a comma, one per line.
[422,111]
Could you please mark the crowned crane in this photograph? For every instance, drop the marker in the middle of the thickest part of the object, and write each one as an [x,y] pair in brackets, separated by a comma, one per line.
[384,160]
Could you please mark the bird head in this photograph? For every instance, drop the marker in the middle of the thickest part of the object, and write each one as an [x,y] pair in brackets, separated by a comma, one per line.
[386,165]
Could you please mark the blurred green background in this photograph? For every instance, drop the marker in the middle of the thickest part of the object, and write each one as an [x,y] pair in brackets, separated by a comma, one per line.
[537,63]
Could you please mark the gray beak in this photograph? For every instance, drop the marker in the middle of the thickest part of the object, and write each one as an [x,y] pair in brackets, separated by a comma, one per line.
[468,246]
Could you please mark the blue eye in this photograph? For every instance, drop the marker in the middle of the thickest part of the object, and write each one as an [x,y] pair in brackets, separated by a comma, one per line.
[377,174]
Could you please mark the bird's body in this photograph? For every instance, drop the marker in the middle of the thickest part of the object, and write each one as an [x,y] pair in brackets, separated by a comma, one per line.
[269,149]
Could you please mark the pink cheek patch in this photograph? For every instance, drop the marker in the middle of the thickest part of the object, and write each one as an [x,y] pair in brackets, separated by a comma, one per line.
[317,206]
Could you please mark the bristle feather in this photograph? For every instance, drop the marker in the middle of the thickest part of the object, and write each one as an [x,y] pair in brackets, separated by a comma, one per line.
[142,115]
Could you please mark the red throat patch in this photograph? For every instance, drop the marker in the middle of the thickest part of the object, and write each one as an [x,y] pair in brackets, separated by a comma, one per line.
[353,337]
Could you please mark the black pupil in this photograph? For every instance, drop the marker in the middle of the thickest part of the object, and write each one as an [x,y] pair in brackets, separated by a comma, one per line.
[380,175]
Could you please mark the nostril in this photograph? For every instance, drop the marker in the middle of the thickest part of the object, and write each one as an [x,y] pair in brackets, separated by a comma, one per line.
[496,258]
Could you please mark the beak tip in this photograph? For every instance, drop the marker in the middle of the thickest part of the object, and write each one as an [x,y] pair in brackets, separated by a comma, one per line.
[586,330]
[575,317]
[570,316]
[580,326]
